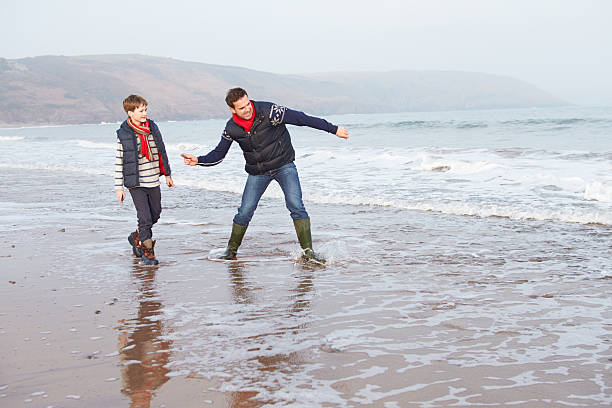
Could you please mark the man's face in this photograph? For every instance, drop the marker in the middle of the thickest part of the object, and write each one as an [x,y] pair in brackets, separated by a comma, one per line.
[138,115]
[242,108]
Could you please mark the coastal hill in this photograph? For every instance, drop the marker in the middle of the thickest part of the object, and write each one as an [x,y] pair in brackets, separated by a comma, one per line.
[89,89]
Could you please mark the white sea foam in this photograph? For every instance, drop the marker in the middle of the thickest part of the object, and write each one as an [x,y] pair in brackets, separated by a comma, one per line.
[60,168]
[95,145]
[459,167]
[174,147]
[515,212]
[599,191]
[211,185]
[10,138]
[518,208]
[186,147]
[455,162]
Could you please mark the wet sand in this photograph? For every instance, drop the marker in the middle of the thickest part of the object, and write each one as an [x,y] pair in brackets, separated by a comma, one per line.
[74,343]
[413,310]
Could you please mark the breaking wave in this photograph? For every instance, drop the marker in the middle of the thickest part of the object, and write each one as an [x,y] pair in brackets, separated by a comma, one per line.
[94,145]
[60,168]
[599,191]
[511,211]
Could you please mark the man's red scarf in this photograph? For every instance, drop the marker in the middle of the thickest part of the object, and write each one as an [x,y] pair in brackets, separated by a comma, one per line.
[143,131]
[245,124]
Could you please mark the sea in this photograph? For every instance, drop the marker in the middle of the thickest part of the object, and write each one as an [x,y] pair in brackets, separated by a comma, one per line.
[537,164]
[469,256]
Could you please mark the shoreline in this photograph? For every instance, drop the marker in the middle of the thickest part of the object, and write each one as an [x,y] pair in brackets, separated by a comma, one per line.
[428,311]
[95,344]
[8,126]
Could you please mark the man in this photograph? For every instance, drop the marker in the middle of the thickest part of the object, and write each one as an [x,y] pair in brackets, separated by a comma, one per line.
[259,129]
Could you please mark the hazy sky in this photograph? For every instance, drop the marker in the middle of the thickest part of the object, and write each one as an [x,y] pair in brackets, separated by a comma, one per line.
[562,46]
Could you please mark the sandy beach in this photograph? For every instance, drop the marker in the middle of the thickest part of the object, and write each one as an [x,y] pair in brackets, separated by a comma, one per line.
[70,343]
[471,312]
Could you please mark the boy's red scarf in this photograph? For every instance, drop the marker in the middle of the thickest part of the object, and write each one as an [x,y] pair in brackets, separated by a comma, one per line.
[245,124]
[143,131]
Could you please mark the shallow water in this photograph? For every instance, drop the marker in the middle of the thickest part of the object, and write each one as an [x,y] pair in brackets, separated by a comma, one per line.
[414,308]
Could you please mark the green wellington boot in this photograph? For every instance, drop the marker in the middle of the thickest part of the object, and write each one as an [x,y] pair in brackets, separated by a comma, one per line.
[234,241]
[302,229]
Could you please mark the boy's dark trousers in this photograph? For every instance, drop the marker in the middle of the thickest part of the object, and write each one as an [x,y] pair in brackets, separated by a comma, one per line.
[148,209]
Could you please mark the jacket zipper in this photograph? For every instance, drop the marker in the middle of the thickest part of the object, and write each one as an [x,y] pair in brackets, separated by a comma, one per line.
[255,123]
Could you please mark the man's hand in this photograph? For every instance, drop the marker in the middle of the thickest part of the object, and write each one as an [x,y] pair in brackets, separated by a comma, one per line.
[120,195]
[189,159]
[169,181]
[342,132]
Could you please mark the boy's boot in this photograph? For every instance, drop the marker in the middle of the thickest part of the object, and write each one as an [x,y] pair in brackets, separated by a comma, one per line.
[135,243]
[148,252]
[302,228]
[234,241]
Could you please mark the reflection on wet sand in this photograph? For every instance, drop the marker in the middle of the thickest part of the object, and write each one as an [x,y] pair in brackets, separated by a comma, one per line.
[142,352]
[242,293]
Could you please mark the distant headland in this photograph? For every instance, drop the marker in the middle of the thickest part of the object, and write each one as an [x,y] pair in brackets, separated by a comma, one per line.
[55,90]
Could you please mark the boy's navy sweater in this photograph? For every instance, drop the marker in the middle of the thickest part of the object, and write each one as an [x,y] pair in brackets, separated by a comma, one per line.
[268,145]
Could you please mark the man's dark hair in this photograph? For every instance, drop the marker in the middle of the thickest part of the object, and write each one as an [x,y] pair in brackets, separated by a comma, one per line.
[233,95]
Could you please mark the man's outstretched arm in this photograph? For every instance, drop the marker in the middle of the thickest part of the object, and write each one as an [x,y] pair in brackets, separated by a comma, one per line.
[215,156]
[282,115]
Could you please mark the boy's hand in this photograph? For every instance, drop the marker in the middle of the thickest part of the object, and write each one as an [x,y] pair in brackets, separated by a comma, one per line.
[342,132]
[189,159]
[169,181]
[120,195]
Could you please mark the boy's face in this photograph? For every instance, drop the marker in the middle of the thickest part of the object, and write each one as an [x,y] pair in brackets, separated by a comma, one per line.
[138,115]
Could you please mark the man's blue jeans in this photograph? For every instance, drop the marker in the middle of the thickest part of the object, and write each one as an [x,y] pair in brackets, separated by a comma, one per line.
[287,177]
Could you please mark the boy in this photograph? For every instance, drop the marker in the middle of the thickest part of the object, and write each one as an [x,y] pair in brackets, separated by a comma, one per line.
[141,158]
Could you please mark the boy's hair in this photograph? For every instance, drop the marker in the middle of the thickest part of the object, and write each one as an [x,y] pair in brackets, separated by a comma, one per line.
[233,95]
[132,102]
